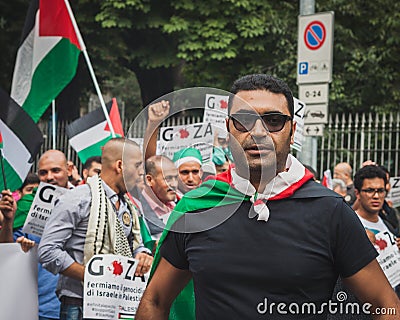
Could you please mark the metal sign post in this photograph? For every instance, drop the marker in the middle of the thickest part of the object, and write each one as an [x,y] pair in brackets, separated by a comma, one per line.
[314,72]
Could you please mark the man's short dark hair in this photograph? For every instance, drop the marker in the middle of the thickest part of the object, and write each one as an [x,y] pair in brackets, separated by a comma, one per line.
[31,178]
[384,169]
[263,82]
[368,172]
[90,160]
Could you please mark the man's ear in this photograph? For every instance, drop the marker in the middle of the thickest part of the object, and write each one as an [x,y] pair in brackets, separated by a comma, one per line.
[69,169]
[149,180]
[292,131]
[118,166]
[85,173]
[227,124]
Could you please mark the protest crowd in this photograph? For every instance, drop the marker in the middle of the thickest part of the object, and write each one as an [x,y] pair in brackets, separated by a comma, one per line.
[210,220]
[224,239]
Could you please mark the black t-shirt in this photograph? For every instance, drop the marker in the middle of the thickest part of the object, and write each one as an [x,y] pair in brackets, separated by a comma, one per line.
[244,267]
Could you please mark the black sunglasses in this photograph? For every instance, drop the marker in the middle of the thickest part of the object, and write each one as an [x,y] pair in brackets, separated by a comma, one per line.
[273,121]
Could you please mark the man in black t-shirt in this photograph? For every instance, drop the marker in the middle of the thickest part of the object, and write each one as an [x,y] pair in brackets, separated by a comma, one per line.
[262,240]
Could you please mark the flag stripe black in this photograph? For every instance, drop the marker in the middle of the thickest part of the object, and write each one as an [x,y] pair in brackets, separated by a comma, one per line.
[20,123]
[30,20]
[87,121]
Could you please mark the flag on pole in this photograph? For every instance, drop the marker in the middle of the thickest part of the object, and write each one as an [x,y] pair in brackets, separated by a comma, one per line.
[327,179]
[115,119]
[21,141]
[89,133]
[47,58]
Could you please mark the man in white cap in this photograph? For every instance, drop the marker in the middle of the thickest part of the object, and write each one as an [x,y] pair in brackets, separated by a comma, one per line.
[189,162]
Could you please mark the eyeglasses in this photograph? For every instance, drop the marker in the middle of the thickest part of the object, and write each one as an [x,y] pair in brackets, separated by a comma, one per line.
[273,121]
[372,191]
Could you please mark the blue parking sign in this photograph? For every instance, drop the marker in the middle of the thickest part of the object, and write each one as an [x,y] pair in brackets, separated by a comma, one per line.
[303,68]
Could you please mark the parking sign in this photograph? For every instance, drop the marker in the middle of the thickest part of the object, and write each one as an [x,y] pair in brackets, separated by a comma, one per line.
[315,45]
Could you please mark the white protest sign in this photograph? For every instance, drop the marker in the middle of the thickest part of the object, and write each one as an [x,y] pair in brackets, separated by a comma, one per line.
[197,135]
[216,111]
[299,108]
[394,193]
[111,290]
[19,282]
[41,208]
[389,257]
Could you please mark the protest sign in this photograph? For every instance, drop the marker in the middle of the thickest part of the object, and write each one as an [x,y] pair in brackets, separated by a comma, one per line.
[19,282]
[41,208]
[389,256]
[299,108]
[197,135]
[394,193]
[215,112]
[111,289]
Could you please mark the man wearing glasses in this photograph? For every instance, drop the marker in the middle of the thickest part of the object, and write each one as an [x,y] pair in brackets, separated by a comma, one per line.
[262,240]
[370,182]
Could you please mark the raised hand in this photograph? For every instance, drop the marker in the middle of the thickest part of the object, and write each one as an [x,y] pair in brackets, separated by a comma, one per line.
[158,111]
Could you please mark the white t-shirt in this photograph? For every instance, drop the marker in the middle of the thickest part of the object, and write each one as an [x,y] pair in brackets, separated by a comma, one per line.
[375,227]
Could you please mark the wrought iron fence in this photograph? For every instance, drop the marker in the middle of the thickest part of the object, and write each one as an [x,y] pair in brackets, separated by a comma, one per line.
[360,137]
[350,138]
[133,128]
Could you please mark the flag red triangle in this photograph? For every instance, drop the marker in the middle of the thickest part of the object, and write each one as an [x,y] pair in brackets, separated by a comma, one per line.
[115,119]
[54,20]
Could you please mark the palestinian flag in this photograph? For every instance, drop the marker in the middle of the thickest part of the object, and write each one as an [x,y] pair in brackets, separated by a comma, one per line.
[89,133]
[21,139]
[47,57]
[327,179]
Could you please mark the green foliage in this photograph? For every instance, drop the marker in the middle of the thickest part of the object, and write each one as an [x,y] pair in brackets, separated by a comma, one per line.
[11,24]
[366,55]
[125,88]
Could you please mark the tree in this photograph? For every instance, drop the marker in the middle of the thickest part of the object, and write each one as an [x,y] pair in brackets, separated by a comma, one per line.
[12,19]
[167,45]
[366,55]
[204,43]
